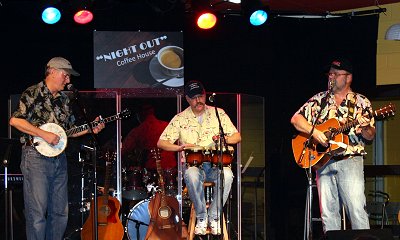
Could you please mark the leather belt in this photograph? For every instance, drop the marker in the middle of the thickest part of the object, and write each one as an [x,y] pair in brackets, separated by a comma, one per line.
[28,142]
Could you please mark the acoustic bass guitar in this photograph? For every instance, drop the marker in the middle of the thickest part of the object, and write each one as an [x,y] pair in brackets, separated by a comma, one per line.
[109,226]
[314,154]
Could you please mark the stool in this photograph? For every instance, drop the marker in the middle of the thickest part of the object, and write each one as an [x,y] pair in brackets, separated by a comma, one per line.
[192,219]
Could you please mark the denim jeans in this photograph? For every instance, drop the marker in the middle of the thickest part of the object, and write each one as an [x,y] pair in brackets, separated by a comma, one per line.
[45,194]
[194,179]
[342,182]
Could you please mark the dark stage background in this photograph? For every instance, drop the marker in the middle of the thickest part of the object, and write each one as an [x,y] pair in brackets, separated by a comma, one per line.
[282,61]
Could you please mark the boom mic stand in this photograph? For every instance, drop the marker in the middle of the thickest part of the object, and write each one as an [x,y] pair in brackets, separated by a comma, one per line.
[222,144]
[76,97]
[309,197]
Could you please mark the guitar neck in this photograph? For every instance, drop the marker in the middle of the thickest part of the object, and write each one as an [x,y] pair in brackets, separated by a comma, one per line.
[93,124]
[109,163]
[351,124]
[159,169]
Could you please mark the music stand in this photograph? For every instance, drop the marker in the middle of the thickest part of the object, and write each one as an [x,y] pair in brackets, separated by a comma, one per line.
[10,153]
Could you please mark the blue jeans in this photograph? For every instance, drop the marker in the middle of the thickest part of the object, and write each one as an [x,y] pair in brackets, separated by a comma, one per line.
[45,194]
[194,179]
[342,182]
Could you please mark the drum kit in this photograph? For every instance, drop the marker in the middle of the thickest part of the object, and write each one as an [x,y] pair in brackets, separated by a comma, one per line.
[140,184]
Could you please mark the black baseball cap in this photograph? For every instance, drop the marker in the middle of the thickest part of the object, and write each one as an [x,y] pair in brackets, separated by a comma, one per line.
[341,64]
[194,88]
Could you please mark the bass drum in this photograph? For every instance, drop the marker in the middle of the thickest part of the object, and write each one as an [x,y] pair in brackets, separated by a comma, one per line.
[137,221]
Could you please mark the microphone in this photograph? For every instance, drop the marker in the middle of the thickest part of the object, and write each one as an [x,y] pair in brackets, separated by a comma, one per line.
[71,88]
[211,98]
[331,84]
[75,92]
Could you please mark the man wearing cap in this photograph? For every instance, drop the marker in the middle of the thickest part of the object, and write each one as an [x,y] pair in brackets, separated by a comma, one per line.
[45,178]
[341,179]
[197,126]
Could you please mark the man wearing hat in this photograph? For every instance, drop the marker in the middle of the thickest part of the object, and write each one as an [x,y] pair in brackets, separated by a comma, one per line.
[45,178]
[341,179]
[197,126]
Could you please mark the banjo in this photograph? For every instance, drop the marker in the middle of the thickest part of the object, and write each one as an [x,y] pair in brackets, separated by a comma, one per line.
[49,150]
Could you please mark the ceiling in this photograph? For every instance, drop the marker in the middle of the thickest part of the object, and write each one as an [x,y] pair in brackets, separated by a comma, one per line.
[305,6]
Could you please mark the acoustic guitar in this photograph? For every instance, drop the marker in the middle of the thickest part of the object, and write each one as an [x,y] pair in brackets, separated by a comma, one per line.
[165,221]
[109,224]
[338,141]
[49,150]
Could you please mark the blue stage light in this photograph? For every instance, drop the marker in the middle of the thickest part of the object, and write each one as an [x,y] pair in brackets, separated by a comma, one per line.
[51,15]
[258,17]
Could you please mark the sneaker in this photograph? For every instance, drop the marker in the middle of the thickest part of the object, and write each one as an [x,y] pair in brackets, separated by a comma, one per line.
[215,226]
[201,227]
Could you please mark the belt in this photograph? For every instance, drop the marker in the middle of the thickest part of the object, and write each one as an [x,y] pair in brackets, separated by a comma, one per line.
[341,157]
[28,142]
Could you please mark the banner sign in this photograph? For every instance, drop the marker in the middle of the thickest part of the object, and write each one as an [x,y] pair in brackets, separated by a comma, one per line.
[138,59]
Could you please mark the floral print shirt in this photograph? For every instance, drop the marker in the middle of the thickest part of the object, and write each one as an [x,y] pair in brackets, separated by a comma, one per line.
[187,128]
[361,105]
[38,106]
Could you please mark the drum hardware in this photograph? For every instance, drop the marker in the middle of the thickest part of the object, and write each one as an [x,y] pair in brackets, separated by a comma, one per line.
[84,202]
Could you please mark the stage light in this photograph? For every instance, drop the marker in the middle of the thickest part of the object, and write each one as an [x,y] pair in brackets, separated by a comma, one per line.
[206,20]
[83,16]
[51,15]
[255,12]
[258,17]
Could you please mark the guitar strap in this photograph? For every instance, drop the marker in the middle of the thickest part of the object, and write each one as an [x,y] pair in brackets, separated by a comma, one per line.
[351,102]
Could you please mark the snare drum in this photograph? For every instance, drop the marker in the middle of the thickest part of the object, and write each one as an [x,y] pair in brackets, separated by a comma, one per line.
[194,155]
[227,155]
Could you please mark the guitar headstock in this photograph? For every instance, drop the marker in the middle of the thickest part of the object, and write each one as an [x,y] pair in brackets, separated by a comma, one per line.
[110,156]
[126,113]
[386,111]
[156,153]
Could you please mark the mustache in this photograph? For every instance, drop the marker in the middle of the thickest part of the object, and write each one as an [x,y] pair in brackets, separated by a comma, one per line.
[200,104]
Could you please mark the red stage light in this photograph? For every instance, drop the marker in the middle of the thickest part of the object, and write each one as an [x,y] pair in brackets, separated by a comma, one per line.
[83,17]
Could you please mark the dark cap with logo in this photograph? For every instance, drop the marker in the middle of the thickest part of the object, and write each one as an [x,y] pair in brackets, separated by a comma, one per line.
[194,88]
[342,64]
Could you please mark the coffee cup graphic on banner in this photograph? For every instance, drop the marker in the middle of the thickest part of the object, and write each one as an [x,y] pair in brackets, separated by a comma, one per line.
[170,59]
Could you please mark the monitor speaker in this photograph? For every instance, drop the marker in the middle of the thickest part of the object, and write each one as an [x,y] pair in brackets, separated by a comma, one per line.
[366,234]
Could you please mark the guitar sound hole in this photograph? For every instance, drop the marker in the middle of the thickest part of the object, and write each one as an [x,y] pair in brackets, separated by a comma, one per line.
[164,212]
[321,149]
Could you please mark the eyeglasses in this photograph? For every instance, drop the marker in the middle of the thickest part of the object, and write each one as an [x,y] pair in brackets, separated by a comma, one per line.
[66,76]
[336,74]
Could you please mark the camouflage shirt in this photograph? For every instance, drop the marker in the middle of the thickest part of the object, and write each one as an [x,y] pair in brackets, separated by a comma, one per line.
[361,105]
[38,106]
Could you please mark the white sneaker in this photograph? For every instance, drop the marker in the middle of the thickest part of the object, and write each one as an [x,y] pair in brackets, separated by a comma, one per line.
[215,226]
[201,227]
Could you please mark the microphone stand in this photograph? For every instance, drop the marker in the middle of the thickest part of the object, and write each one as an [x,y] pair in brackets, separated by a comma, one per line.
[222,145]
[76,98]
[307,146]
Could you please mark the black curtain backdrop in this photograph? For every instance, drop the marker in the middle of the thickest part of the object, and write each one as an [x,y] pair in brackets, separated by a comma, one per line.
[282,61]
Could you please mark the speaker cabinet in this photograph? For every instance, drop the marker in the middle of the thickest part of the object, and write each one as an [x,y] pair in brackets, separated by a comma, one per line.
[367,234]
